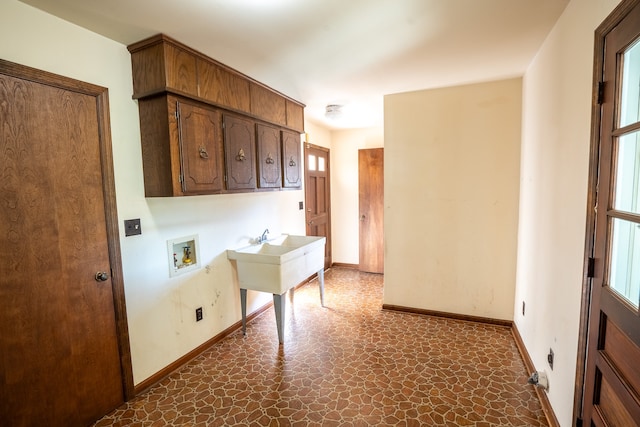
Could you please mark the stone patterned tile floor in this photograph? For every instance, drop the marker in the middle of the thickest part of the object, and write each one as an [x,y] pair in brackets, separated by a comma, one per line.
[349,364]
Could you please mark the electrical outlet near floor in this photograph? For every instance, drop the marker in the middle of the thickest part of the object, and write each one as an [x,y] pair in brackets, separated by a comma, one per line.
[198,314]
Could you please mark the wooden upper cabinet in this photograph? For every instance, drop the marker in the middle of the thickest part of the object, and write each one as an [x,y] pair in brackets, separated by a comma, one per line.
[180,67]
[222,87]
[182,149]
[268,105]
[201,149]
[295,116]
[240,152]
[291,165]
[161,64]
[268,155]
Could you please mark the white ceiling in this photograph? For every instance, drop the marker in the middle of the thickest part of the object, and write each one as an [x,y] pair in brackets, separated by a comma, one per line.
[348,52]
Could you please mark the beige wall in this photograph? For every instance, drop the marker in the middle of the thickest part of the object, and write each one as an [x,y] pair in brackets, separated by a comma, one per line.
[161,310]
[344,189]
[554,169]
[451,198]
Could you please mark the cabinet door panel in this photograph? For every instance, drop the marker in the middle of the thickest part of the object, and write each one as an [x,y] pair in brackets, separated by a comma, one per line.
[291,160]
[181,70]
[200,149]
[268,105]
[239,140]
[295,116]
[268,156]
[222,87]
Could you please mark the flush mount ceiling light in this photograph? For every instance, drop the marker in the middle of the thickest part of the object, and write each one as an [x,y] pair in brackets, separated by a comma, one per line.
[333,111]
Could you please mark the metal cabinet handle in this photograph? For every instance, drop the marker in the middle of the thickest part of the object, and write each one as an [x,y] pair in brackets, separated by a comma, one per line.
[203,153]
[269,159]
[240,157]
[292,162]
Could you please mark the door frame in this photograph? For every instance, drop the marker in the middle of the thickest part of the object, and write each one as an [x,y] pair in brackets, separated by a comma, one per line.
[614,18]
[101,96]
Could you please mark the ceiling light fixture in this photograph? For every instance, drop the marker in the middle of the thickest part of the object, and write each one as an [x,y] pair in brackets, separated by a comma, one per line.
[333,111]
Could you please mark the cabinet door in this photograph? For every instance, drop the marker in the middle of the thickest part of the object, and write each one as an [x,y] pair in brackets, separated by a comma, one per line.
[239,146]
[180,70]
[291,159]
[200,139]
[268,156]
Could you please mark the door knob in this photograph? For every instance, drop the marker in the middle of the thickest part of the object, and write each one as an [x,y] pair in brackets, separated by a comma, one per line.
[101,276]
[362,217]
[310,222]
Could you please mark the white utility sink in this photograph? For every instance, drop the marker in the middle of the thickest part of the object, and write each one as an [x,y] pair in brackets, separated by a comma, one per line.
[277,265]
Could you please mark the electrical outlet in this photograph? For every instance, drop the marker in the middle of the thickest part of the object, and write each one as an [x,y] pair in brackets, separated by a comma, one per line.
[198,314]
[550,358]
[523,308]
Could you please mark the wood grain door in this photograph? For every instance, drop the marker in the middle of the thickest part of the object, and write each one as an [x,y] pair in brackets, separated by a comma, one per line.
[269,162]
[201,149]
[64,360]
[240,153]
[317,196]
[612,379]
[371,207]
[291,165]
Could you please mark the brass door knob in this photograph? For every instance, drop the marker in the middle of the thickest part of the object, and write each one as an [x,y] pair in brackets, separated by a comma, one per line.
[101,276]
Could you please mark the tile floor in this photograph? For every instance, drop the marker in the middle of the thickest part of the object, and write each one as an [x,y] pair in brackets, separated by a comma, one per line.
[349,364]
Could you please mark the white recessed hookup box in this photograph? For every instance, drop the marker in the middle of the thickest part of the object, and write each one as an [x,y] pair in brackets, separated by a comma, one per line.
[183,255]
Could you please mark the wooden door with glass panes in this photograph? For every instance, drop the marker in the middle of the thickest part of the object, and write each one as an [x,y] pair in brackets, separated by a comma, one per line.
[317,195]
[612,378]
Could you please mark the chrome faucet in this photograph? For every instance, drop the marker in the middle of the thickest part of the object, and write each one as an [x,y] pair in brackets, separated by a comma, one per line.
[263,238]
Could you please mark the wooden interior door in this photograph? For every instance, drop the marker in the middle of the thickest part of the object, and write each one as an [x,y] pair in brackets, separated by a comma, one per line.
[371,207]
[612,379]
[63,359]
[317,196]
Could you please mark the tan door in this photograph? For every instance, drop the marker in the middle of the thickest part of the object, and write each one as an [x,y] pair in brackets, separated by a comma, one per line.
[317,195]
[612,381]
[371,206]
[60,363]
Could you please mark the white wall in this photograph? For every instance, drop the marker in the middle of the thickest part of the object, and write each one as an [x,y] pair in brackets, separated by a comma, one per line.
[317,134]
[451,198]
[553,194]
[161,310]
[344,189]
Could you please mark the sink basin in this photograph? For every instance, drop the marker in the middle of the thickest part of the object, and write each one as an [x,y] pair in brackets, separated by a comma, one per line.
[276,266]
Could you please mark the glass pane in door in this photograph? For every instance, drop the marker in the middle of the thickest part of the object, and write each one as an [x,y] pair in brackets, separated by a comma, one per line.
[627,174]
[624,265]
[630,93]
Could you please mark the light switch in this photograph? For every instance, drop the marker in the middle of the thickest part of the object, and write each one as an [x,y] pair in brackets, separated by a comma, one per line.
[132,227]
